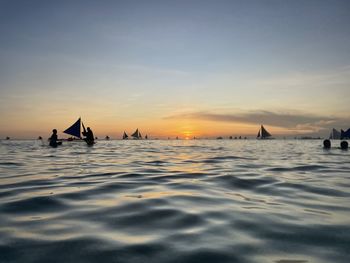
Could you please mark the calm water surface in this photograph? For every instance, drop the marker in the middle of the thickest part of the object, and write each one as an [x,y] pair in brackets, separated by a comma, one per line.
[174,201]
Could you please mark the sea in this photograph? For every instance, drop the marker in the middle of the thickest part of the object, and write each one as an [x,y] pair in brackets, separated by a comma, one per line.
[278,201]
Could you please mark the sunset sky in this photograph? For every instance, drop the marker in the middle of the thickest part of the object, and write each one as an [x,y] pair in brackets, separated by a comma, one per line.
[174,68]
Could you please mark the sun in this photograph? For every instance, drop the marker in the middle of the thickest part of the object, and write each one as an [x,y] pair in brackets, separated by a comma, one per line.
[187,134]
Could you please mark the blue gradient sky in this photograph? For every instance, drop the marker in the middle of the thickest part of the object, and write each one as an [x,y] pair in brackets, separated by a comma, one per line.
[163,66]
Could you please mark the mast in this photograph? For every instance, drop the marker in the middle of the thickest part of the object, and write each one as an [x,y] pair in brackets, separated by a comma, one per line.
[84,130]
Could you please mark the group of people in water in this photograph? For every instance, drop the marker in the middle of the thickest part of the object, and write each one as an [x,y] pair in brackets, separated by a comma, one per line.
[343,145]
[88,134]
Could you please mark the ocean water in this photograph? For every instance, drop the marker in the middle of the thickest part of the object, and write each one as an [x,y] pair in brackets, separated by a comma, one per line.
[282,201]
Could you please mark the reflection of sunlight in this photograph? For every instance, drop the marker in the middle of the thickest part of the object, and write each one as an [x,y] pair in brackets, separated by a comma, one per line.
[128,238]
[187,134]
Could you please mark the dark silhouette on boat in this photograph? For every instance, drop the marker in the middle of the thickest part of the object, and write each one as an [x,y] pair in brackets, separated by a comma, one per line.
[89,136]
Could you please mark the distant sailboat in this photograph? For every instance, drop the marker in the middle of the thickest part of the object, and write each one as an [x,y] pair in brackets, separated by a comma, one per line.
[335,135]
[125,136]
[263,133]
[136,135]
[345,134]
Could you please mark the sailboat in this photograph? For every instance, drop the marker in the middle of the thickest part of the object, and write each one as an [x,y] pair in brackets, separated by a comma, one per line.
[75,130]
[335,135]
[263,133]
[125,136]
[345,134]
[136,135]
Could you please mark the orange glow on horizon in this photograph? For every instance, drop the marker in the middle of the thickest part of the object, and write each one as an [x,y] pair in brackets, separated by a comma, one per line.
[155,128]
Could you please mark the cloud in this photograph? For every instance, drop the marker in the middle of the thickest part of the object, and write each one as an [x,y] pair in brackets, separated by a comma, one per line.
[295,121]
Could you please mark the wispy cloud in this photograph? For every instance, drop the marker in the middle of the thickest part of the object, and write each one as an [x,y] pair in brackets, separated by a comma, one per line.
[295,121]
[335,77]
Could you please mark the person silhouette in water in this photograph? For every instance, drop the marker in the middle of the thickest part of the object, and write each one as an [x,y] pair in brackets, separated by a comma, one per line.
[89,136]
[53,138]
[344,145]
[326,144]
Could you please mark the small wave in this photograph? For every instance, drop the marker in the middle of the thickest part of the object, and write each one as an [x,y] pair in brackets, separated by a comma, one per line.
[35,204]
[291,261]
[208,255]
[231,157]
[245,183]
[11,164]
[314,189]
[157,162]
[298,168]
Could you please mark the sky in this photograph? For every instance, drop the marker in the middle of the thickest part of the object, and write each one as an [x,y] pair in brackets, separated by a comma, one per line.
[175,68]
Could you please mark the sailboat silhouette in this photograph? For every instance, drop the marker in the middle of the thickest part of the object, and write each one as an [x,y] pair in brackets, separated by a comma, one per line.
[125,136]
[136,135]
[263,133]
[75,130]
